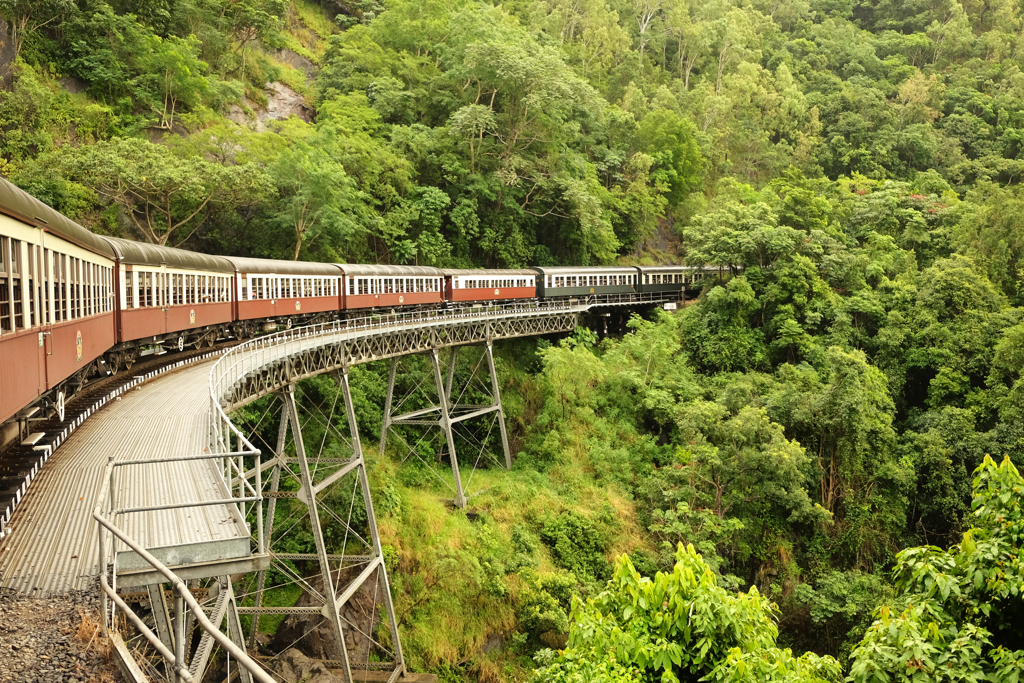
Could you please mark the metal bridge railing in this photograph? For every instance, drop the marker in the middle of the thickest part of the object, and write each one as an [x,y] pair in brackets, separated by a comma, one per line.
[116,605]
[257,353]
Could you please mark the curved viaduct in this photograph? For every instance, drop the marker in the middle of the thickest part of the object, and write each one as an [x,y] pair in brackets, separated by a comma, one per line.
[168,504]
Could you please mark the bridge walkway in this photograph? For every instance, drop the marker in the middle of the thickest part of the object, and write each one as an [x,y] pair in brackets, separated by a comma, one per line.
[52,547]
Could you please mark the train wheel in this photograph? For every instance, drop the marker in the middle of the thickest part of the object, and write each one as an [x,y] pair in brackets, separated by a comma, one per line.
[60,405]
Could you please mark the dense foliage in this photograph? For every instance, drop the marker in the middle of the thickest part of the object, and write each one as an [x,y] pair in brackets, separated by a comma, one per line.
[849,168]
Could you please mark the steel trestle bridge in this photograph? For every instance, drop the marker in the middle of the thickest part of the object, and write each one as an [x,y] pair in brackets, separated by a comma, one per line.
[192,568]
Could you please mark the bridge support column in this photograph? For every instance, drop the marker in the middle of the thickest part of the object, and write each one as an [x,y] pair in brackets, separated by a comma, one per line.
[344,581]
[472,397]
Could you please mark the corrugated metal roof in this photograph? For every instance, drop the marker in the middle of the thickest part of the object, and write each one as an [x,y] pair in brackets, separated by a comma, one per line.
[393,271]
[482,271]
[22,206]
[144,254]
[562,270]
[281,267]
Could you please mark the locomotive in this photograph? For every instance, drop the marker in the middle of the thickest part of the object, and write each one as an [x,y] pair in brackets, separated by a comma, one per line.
[73,303]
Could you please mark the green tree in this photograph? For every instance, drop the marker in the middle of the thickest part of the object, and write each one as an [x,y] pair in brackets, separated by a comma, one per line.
[162,194]
[678,626]
[317,198]
[958,617]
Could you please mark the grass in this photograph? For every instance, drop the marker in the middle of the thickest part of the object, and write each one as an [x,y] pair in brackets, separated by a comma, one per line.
[284,596]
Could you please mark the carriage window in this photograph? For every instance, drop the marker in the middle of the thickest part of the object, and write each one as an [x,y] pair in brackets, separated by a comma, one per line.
[90,287]
[60,305]
[86,288]
[5,287]
[351,286]
[33,256]
[46,278]
[74,297]
[129,289]
[145,289]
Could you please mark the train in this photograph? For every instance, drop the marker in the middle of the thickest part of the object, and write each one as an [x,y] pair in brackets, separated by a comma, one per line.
[74,304]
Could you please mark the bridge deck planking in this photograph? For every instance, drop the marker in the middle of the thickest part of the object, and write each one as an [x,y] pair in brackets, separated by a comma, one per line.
[53,544]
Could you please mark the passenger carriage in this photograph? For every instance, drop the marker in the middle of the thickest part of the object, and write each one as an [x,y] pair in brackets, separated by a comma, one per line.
[168,294]
[296,290]
[56,304]
[367,286]
[671,279]
[584,281]
[489,285]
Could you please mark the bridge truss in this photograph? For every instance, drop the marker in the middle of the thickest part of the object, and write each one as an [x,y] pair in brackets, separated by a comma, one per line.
[346,594]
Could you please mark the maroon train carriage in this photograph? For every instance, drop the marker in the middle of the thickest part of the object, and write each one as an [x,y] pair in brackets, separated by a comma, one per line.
[391,286]
[489,285]
[168,296]
[56,303]
[301,292]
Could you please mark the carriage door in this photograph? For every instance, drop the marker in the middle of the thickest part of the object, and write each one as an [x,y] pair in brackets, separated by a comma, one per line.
[38,307]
